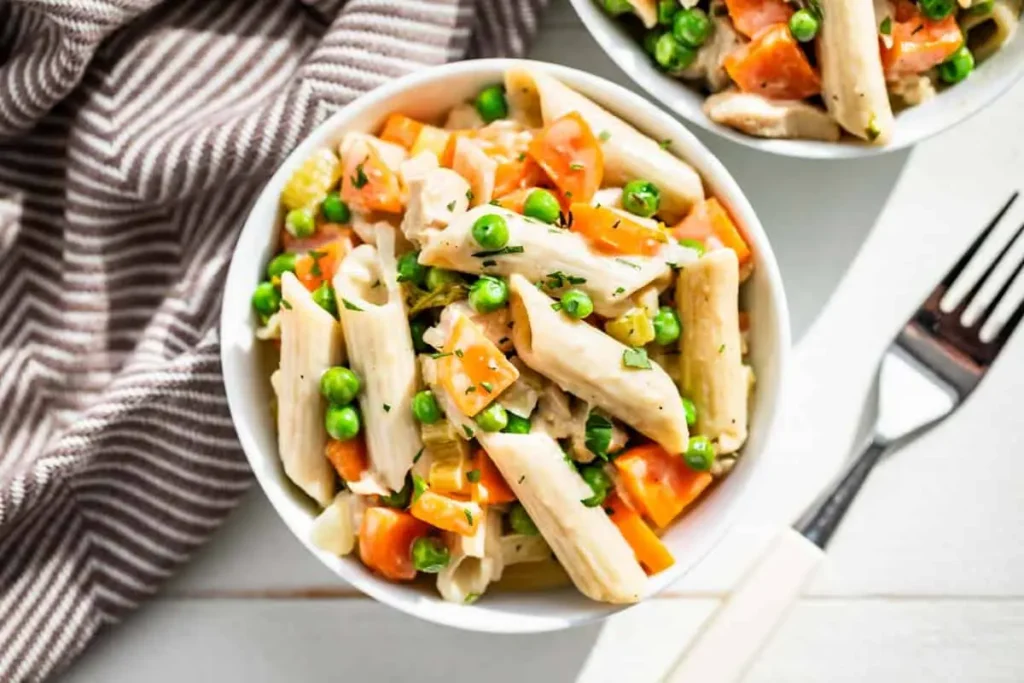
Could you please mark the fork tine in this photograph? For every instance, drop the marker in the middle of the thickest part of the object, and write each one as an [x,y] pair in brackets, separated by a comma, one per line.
[994,304]
[1014,320]
[969,297]
[958,268]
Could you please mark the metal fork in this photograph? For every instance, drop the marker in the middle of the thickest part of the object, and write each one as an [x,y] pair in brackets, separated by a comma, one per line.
[935,362]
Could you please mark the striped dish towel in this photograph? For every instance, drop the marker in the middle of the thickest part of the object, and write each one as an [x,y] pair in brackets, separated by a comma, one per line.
[134,137]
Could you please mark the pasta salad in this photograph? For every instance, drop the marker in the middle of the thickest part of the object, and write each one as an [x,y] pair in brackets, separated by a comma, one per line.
[511,350]
[817,69]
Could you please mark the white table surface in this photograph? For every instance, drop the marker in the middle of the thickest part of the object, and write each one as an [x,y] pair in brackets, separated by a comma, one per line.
[924,582]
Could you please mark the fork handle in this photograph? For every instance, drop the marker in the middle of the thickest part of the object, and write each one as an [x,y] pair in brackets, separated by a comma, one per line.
[733,635]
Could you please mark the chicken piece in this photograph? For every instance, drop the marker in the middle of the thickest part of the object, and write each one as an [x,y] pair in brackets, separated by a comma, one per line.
[756,115]
[495,325]
[910,91]
[473,164]
[463,117]
[417,167]
[434,198]
[709,65]
[554,414]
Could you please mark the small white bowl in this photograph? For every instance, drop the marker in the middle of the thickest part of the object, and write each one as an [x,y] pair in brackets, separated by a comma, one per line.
[426,95]
[953,105]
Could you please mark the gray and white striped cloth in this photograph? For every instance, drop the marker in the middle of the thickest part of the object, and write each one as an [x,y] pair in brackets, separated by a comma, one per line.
[134,136]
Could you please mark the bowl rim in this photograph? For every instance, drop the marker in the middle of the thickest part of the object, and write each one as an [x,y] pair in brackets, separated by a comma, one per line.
[603,30]
[718,177]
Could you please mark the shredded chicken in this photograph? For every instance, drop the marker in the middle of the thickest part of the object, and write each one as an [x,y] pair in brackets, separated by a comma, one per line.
[434,198]
[709,65]
[765,118]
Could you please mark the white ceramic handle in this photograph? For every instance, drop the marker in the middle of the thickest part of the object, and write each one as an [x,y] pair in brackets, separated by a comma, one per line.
[731,637]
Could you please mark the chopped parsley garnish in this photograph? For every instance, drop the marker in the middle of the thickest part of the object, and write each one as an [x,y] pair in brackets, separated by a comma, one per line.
[521,157]
[469,516]
[419,485]
[458,353]
[499,252]
[416,458]
[576,166]
[886,27]
[359,180]
[557,306]
[285,304]
[604,136]
[451,205]
[522,479]
[469,195]
[557,280]
[665,144]
[628,263]
[471,388]
[489,262]
[598,435]
[619,290]
[469,432]
[873,131]
[636,358]
[487,386]
[721,349]
[376,284]
[387,408]
[439,354]
[471,598]
[350,306]
[473,476]
[316,256]
[494,202]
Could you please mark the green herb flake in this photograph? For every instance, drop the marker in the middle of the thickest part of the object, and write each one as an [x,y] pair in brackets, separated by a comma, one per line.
[489,262]
[576,166]
[469,195]
[435,356]
[285,304]
[387,408]
[522,479]
[636,358]
[471,388]
[315,271]
[469,516]
[350,306]
[416,459]
[886,27]
[471,598]
[557,306]
[721,349]
[873,131]
[521,157]
[359,180]
[451,205]
[619,290]
[628,263]
[598,435]
[604,136]
[499,252]
[665,144]
[419,485]
[468,431]
[487,386]
[459,353]
[473,476]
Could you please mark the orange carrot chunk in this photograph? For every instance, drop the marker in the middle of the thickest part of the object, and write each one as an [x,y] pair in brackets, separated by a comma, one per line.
[710,219]
[750,16]
[401,130]
[385,542]
[515,200]
[773,65]
[319,265]
[650,552]
[475,371]
[614,231]
[490,488]
[658,483]
[348,457]
[918,43]
[571,156]
[457,516]
[369,185]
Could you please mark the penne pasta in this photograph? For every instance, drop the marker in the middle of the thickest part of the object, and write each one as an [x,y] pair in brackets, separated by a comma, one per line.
[588,363]
[711,363]
[476,561]
[628,153]
[381,354]
[518,548]
[537,251]
[987,31]
[311,342]
[593,552]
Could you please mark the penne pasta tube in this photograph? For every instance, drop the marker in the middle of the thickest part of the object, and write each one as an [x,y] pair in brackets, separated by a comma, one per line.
[476,561]
[628,153]
[712,373]
[311,342]
[517,549]
[536,251]
[381,354]
[593,552]
[852,80]
[534,576]
[988,30]
[590,364]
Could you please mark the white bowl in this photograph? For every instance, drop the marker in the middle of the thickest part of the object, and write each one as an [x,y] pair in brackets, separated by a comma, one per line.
[953,105]
[426,95]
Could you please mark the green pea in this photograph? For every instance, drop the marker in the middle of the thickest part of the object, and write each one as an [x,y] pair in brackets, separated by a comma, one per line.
[690,408]
[342,422]
[618,7]
[488,294]
[666,325]
[696,245]
[958,67]
[300,223]
[600,483]
[410,269]
[543,206]
[651,41]
[671,55]
[416,328]
[804,25]
[281,264]
[493,418]
[339,385]
[577,304]
[641,198]
[520,521]
[937,9]
[691,27]
[430,555]
[266,299]
[334,209]
[439,277]
[700,453]
[491,104]
[399,499]
[490,231]
[517,425]
[667,10]
[324,298]
[425,408]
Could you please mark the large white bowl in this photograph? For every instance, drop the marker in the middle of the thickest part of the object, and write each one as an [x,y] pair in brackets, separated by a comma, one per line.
[245,361]
[953,105]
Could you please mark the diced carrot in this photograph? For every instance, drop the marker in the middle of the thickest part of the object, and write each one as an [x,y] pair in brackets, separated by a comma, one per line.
[490,488]
[447,156]
[369,185]
[401,130]
[571,156]
[431,139]
[773,65]
[385,542]
[515,200]
[325,233]
[457,516]
[918,43]
[648,548]
[750,16]
[514,174]
[319,265]
[658,483]
[614,231]
[475,371]
[709,218]
[348,457]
